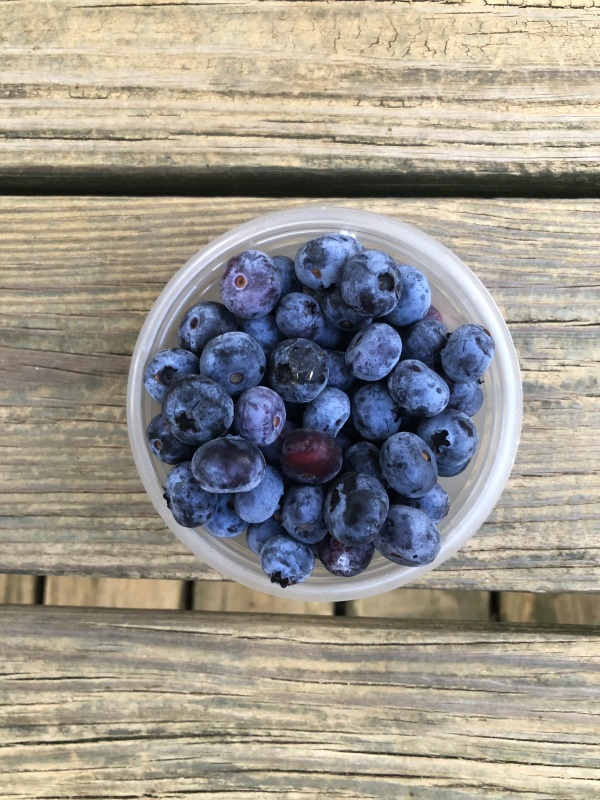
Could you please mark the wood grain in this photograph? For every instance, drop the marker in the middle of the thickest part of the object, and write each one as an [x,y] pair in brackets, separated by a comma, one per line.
[424,604]
[393,95]
[75,590]
[578,609]
[17,589]
[130,704]
[229,596]
[78,276]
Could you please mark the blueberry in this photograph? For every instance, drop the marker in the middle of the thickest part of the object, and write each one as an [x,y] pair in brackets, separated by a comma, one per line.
[451,470]
[451,435]
[417,389]
[339,314]
[203,322]
[264,330]
[375,413]
[299,316]
[309,456]
[344,441]
[465,397]
[286,561]
[468,353]
[302,513]
[260,532]
[371,283]
[164,445]
[433,313]
[262,502]
[363,457]
[234,360]
[374,352]
[331,337]
[424,342]
[230,464]
[289,281]
[435,503]
[225,523]
[198,409]
[408,464]
[344,560]
[355,508]
[272,452]
[251,284]
[294,412]
[414,300]
[166,368]
[408,537]
[298,370]
[328,412]
[189,503]
[319,262]
[259,415]
[340,376]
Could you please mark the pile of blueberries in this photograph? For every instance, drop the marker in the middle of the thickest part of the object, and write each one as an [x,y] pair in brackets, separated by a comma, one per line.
[315,409]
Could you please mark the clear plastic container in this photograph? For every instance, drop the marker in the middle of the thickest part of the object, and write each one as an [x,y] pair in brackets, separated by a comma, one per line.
[456,292]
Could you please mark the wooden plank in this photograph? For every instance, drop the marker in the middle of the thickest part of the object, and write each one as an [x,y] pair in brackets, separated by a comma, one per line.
[70,499]
[423,604]
[18,589]
[117,703]
[76,590]
[355,95]
[578,609]
[230,596]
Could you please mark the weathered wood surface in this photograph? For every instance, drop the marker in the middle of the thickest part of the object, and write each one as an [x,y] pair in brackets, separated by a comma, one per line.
[77,277]
[79,590]
[110,704]
[579,609]
[17,589]
[424,604]
[230,596]
[471,94]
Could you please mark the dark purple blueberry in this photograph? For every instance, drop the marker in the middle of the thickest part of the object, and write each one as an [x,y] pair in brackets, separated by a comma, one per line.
[259,415]
[417,389]
[166,368]
[198,410]
[408,537]
[289,281]
[302,513]
[298,370]
[374,352]
[203,322]
[327,412]
[251,284]
[451,435]
[234,360]
[227,465]
[272,452]
[340,315]
[355,508]
[225,523]
[465,397]
[451,470]
[299,316]
[375,413]
[344,441]
[264,330]
[188,502]
[331,337]
[262,502]
[371,283]
[424,342]
[309,456]
[340,376]
[319,262]
[344,560]
[435,503]
[164,445]
[414,300]
[259,533]
[468,354]
[408,464]
[363,457]
[286,561]
[433,313]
